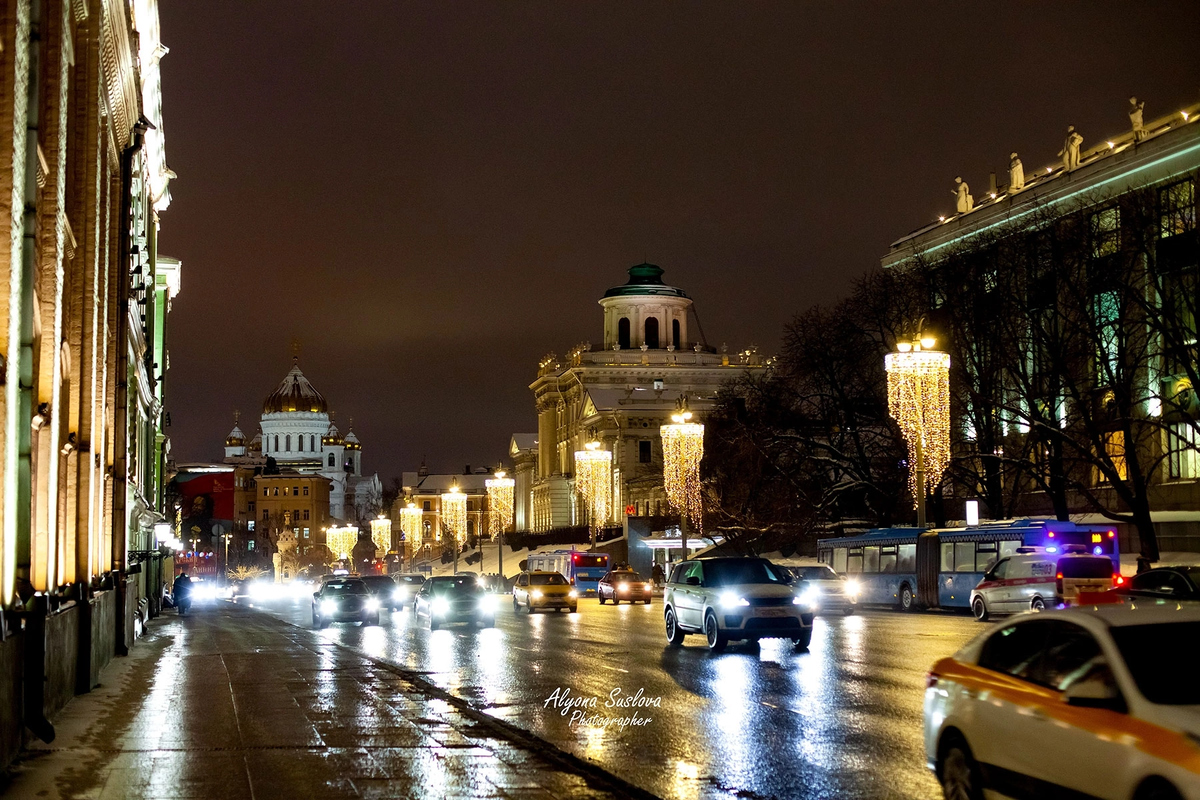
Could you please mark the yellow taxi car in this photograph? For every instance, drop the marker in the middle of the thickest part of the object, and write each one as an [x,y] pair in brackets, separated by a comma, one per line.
[535,589]
[1094,701]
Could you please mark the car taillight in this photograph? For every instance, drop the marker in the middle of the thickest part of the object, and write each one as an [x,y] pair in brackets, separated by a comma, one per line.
[931,680]
[1118,580]
[1059,576]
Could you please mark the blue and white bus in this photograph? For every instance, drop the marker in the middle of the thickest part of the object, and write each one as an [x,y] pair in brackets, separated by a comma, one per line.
[938,568]
[583,569]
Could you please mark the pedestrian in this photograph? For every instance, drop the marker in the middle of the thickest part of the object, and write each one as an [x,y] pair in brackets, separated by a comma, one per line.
[181,592]
[656,575]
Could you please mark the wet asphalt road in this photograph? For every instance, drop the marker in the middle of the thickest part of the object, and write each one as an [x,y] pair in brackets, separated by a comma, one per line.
[842,720]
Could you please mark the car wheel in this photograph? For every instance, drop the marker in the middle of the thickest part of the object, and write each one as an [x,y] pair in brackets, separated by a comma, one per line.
[600,597]
[1157,789]
[433,623]
[674,634]
[802,641]
[616,602]
[848,610]
[516,605]
[906,598]
[712,633]
[1037,604]
[528,606]
[318,623]
[374,620]
[960,774]
[646,601]
[488,622]
[979,609]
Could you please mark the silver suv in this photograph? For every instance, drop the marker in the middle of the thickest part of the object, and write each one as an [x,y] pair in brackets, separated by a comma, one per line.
[731,599]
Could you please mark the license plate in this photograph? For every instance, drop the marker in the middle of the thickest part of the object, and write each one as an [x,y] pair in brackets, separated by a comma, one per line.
[772,612]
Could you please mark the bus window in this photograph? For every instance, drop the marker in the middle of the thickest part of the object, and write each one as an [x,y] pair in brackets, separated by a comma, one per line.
[1008,548]
[907,560]
[870,559]
[985,556]
[839,560]
[887,559]
[964,556]
[947,557]
[854,562]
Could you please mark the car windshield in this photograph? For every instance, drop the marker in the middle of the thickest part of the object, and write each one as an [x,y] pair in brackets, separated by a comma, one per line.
[1163,660]
[411,580]
[459,584]
[1085,567]
[547,580]
[1193,573]
[623,576]
[741,571]
[345,587]
[815,573]
[378,582]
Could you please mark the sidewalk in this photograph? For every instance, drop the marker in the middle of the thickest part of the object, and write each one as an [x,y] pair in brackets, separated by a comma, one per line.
[230,703]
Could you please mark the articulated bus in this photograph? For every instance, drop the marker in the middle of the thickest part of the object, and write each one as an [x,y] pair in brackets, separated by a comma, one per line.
[584,570]
[938,568]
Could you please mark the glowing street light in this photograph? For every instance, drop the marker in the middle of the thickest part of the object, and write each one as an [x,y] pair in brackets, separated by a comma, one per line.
[683,449]
[919,400]
[454,517]
[593,480]
[500,513]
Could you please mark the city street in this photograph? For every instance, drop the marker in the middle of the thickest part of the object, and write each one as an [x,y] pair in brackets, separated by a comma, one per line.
[843,719]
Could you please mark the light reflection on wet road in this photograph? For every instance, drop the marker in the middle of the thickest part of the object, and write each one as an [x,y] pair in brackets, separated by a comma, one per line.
[843,719]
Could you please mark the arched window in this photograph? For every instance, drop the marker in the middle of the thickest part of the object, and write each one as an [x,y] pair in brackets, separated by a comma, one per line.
[300,443]
[332,463]
[623,333]
[276,443]
[287,443]
[651,337]
[675,333]
[312,443]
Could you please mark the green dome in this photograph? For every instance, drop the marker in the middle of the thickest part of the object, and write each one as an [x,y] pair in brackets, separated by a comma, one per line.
[645,279]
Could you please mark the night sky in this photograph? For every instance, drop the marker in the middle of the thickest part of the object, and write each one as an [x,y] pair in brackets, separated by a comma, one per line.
[431,196]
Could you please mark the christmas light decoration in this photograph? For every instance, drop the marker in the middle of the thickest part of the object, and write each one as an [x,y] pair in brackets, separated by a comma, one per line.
[381,535]
[454,514]
[341,540]
[410,524]
[683,449]
[593,481]
[500,503]
[919,401]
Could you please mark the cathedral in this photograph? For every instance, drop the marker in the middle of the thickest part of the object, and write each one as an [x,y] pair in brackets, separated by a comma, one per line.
[297,433]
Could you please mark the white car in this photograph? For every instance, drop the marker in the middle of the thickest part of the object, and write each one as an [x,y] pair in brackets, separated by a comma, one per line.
[1095,701]
[732,599]
[1037,578]
[828,590]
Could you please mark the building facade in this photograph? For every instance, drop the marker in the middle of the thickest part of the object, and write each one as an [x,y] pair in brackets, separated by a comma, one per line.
[84,303]
[424,490]
[653,357]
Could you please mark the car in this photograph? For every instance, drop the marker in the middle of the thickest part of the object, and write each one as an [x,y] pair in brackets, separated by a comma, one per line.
[345,600]
[1089,701]
[408,584]
[384,589]
[457,598]
[735,599]
[827,590]
[623,584]
[1173,583]
[1036,577]
[538,589]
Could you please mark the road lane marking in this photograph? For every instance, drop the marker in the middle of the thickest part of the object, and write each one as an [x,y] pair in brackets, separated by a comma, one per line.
[614,669]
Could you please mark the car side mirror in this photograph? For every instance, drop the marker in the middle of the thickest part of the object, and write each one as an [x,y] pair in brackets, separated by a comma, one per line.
[1095,691]
[693,580]
[316,594]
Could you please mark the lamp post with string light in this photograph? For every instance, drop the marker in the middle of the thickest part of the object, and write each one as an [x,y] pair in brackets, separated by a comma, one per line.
[683,449]
[500,513]
[919,400]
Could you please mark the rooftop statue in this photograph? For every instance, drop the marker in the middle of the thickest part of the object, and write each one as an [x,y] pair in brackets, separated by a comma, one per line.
[1070,151]
[1016,174]
[1135,119]
[963,192]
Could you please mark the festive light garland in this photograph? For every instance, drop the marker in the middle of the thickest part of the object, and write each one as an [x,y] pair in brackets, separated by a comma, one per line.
[454,514]
[381,535]
[593,481]
[683,449]
[500,503]
[410,524]
[919,400]
[341,540]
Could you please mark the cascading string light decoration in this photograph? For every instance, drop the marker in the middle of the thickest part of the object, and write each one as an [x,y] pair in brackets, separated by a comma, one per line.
[454,514]
[919,400]
[341,540]
[500,503]
[593,480]
[381,535]
[410,525]
[683,449]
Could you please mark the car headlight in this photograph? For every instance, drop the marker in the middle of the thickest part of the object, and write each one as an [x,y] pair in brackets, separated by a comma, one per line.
[572,593]
[440,605]
[372,604]
[536,594]
[808,598]
[487,603]
[731,600]
[623,587]
[328,606]
[400,595]
[852,588]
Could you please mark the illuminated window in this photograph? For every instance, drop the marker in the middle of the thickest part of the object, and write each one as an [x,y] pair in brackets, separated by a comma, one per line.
[1106,312]
[1183,459]
[1177,209]
[1106,232]
[306,491]
[1114,453]
[306,529]
[651,337]
[623,333]
[249,524]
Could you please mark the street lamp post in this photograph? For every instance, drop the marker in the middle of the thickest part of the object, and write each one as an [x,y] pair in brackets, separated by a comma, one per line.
[593,480]
[410,526]
[500,514]
[454,513]
[683,449]
[919,400]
